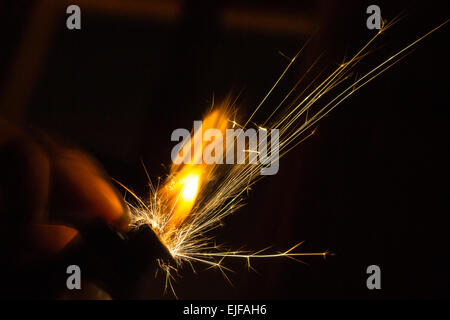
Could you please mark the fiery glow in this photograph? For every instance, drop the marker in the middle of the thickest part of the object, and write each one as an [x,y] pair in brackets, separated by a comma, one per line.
[190,188]
[187,180]
[195,198]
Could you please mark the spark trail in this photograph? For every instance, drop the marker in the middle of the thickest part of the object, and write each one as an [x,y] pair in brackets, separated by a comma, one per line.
[192,201]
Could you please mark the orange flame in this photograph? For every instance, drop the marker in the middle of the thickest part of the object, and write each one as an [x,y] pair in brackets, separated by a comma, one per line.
[187,180]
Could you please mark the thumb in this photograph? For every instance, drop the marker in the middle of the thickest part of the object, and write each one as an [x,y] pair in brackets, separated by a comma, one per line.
[81,191]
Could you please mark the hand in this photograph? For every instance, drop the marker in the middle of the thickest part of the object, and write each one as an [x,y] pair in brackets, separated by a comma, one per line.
[46,192]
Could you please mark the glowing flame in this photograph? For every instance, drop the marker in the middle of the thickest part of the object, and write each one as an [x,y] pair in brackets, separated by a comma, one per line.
[190,188]
[186,181]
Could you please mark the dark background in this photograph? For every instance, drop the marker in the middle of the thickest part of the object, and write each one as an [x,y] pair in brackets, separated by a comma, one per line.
[371,186]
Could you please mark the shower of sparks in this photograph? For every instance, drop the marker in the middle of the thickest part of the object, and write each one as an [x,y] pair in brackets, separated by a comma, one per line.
[193,200]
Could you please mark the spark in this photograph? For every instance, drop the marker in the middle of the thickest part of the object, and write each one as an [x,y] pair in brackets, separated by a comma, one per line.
[194,199]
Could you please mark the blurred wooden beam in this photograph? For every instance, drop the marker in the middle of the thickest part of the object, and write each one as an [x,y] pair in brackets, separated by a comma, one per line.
[27,63]
[30,57]
[169,10]
[264,21]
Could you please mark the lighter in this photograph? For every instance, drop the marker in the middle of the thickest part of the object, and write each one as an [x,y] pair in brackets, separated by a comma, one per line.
[112,260]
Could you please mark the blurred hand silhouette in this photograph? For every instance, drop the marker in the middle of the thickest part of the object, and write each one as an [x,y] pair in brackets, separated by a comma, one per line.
[47,191]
